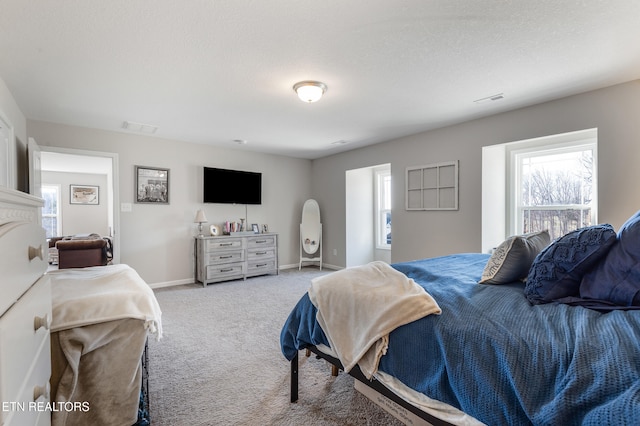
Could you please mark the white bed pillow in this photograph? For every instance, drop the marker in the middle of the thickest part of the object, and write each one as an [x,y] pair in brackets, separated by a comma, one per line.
[513,258]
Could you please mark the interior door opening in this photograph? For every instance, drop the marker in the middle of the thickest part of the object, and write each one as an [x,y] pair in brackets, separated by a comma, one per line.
[69,169]
[362,211]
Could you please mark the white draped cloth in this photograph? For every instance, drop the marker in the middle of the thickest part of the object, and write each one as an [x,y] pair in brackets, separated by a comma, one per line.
[358,307]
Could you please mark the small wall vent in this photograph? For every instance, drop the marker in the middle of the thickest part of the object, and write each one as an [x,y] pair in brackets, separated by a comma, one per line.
[139,127]
[495,97]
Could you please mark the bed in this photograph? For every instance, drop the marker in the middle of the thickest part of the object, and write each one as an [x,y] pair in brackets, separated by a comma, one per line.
[535,333]
[101,319]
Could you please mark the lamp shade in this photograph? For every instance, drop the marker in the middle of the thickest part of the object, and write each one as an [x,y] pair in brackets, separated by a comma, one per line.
[200,217]
[310,91]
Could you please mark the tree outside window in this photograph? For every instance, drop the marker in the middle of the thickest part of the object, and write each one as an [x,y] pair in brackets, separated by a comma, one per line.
[555,189]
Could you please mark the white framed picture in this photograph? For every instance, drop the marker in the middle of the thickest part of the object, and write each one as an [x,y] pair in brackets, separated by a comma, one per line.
[84,194]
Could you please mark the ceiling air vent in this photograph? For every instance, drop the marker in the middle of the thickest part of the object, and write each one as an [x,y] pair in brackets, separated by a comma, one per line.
[495,97]
[139,127]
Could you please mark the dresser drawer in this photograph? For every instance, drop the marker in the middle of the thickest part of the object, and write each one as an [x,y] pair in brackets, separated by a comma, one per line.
[261,267]
[225,257]
[223,244]
[220,272]
[35,392]
[25,358]
[23,329]
[261,241]
[22,259]
[261,253]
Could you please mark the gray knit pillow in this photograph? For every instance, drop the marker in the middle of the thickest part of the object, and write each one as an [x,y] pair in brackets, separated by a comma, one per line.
[512,259]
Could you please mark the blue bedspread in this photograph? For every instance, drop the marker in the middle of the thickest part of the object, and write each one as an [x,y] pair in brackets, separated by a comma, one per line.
[498,358]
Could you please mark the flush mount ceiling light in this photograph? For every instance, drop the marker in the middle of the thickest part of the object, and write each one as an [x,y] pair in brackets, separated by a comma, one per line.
[310,91]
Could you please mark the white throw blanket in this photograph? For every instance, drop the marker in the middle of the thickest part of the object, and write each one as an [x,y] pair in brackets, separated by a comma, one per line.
[358,308]
[98,294]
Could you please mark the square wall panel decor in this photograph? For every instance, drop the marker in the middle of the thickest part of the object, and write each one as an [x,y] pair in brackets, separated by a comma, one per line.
[432,187]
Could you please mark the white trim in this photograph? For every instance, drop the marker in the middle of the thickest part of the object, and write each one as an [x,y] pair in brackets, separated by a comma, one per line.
[496,174]
[173,283]
[114,188]
[193,280]
[58,214]
[571,142]
[10,153]
[379,173]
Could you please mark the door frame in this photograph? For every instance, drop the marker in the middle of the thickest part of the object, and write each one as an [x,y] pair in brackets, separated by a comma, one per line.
[115,188]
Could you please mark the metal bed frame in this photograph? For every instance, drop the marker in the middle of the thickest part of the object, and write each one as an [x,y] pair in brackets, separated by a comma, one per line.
[357,374]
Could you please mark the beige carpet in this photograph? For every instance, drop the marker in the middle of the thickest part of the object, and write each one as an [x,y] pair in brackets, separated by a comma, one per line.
[220,363]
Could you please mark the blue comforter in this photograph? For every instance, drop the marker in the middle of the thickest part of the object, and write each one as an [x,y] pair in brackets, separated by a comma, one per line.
[498,358]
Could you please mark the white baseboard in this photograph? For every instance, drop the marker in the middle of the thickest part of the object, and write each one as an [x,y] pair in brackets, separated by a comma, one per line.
[194,281]
[296,265]
[173,283]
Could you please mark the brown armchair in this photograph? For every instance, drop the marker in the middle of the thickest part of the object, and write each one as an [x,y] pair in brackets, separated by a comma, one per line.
[82,252]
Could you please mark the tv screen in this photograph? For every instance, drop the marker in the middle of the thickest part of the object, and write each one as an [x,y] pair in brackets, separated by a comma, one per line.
[232,186]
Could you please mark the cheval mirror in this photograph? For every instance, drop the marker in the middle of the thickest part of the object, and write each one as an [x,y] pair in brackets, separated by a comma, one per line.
[310,234]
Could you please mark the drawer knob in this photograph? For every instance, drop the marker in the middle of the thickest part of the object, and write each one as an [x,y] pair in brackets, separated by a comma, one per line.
[41,391]
[35,252]
[42,322]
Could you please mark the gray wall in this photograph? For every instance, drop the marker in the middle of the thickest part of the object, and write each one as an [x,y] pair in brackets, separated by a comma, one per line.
[157,240]
[615,111]
[80,218]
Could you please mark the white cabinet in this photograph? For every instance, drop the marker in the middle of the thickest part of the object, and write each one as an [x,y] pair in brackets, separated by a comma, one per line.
[25,312]
[233,257]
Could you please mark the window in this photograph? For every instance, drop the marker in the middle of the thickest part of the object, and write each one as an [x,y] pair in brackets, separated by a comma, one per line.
[51,221]
[383,208]
[553,189]
[536,184]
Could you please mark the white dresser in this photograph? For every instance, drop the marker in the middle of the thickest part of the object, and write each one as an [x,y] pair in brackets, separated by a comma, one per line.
[25,312]
[236,256]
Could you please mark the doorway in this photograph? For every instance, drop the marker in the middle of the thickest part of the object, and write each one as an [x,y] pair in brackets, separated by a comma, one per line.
[361,209]
[68,169]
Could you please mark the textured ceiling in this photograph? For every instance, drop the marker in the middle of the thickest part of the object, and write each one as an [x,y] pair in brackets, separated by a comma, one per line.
[213,72]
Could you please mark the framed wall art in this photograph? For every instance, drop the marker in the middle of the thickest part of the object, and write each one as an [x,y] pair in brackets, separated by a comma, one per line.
[152,185]
[432,187]
[84,194]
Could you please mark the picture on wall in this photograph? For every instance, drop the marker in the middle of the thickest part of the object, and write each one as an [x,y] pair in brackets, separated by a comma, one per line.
[84,194]
[152,185]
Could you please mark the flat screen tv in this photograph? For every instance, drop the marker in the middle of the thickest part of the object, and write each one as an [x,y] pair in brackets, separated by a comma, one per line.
[232,186]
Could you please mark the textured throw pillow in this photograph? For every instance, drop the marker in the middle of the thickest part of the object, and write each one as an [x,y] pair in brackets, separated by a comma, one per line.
[512,259]
[557,271]
[616,278]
